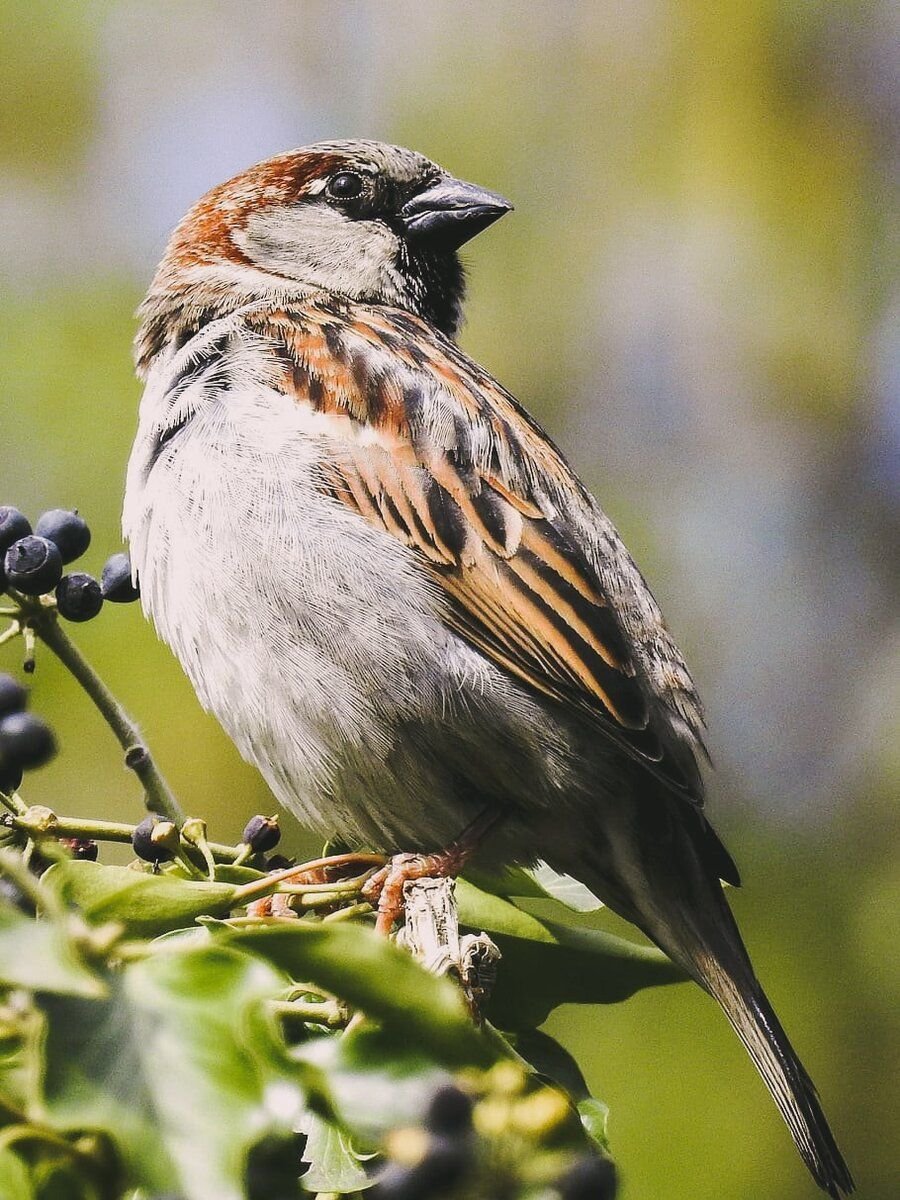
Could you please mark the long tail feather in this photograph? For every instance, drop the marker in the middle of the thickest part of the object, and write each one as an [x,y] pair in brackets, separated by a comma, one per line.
[663,873]
[754,1021]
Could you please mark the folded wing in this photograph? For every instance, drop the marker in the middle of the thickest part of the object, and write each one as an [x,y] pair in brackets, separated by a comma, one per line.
[426,446]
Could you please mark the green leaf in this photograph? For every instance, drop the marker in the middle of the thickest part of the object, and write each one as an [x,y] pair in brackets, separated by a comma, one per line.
[228,873]
[555,1063]
[40,956]
[146,904]
[565,889]
[375,1080]
[95,1079]
[545,964]
[210,1073]
[552,1060]
[372,974]
[508,881]
[175,1065]
[15,1182]
[21,1061]
[540,882]
[594,1117]
[335,1165]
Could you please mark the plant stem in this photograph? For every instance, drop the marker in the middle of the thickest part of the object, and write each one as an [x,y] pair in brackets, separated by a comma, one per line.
[159,796]
[326,1012]
[109,831]
[14,802]
[272,882]
[14,867]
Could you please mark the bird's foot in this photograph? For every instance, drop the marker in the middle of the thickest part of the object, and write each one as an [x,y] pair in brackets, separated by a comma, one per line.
[386,885]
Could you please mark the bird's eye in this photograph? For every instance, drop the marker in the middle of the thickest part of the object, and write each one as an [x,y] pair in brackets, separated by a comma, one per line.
[346,185]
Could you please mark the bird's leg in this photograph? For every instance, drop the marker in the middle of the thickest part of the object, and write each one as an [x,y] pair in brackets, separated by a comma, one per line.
[387,884]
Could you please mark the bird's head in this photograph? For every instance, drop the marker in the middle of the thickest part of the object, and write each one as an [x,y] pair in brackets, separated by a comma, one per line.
[367,221]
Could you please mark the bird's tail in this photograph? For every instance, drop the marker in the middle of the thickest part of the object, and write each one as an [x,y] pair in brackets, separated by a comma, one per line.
[670,887]
[754,1021]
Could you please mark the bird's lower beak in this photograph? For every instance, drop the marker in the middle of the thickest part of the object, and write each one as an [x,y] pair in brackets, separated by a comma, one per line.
[450,212]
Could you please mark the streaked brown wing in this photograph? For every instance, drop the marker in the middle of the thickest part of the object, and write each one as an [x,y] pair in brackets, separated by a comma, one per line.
[424,445]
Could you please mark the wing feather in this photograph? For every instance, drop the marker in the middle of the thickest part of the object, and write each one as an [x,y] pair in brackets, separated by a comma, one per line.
[427,447]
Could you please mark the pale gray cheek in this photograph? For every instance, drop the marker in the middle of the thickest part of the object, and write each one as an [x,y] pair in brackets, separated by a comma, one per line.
[320,247]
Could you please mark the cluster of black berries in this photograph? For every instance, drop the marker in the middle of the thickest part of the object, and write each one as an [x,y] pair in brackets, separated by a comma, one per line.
[32,563]
[25,740]
[443,1158]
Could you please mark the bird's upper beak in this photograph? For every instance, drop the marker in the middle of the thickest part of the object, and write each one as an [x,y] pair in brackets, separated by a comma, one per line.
[450,212]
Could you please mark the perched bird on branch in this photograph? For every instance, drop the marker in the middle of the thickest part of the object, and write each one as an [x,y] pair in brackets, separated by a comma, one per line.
[391,589]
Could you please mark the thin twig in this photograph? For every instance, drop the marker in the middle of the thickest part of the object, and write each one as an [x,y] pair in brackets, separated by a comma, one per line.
[272,882]
[14,802]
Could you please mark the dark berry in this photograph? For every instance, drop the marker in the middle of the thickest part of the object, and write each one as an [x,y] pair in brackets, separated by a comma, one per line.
[25,741]
[66,530]
[13,697]
[13,526]
[10,778]
[441,1168]
[33,565]
[449,1112]
[272,1166]
[146,840]
[81,848]
[262,834]
[115,580]
[591,1178]
[78,597]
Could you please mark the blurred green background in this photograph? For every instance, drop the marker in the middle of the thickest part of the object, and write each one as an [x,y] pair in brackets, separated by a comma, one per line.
[696,295]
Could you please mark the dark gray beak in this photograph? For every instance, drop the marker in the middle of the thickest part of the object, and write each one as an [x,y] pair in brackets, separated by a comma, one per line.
[450,212]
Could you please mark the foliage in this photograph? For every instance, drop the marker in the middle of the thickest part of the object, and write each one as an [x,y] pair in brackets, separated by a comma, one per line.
[204,1025]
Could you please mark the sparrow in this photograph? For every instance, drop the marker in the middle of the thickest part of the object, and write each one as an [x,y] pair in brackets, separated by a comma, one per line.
[389,586]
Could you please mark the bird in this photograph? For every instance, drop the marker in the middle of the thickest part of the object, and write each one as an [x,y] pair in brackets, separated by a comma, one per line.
[386,582]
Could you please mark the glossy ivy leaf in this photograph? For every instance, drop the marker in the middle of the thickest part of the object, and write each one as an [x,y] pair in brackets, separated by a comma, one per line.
[145,903]
[335,1164]
[371,974]
[214,1083]
[595,1118]
[41,956]
[545,964]
[540,882]
[175,1065]
[564,888]
[95,1078]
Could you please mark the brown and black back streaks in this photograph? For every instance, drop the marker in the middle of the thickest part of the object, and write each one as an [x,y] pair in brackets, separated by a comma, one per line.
[425,445]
